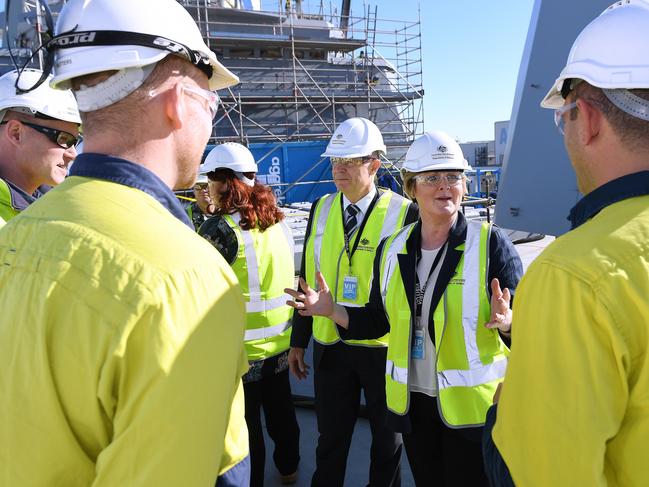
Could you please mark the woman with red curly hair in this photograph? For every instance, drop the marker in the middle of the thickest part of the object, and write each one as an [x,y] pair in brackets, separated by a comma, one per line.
[248,230]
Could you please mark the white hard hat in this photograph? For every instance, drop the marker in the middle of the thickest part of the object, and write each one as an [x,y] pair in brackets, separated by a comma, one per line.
[56,104]
[104,28]
[355,137]
[229,155]
[610,53]
[435,151]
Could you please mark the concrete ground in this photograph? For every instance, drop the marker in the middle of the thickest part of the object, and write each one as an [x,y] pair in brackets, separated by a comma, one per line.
[357,462]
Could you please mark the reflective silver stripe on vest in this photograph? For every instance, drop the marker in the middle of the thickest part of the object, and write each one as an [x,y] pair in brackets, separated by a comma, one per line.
[256,304]
[320,229]
[398,374]
[266,304]
[471,293]
[474,377]
[391,221]
[289,235]
[390,258]
[268,332]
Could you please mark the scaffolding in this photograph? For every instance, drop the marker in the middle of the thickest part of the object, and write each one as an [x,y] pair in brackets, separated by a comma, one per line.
[302,73]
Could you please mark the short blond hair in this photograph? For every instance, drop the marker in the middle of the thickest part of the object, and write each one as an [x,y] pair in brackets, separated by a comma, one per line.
[408,183]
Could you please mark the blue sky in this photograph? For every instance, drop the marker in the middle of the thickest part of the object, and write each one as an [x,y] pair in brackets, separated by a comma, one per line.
[471,52]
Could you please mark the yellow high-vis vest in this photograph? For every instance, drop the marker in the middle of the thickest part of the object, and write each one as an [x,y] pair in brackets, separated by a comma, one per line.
[471,359]
[325,252]
[7,211]
[264,268]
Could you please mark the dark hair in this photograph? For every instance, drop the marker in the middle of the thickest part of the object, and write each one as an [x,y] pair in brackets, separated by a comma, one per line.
[632,131]
[257,204]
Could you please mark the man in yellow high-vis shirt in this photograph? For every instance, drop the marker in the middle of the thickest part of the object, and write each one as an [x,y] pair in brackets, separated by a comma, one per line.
[574,408]
[120,355]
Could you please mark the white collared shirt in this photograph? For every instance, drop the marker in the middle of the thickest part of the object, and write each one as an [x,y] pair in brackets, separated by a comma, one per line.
[363,204]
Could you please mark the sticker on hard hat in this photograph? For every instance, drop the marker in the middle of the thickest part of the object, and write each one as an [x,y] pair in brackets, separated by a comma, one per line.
[338,142]
[443,155]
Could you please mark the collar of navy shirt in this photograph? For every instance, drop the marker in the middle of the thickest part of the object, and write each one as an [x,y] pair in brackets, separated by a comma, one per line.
[629,186]
[127,173]
[20,200]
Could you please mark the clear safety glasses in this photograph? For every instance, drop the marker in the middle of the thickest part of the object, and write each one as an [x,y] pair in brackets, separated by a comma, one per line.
[210,97]
[440,179]
[558,115]
[349,161]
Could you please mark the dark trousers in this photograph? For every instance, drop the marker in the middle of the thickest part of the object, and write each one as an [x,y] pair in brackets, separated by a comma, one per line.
[342,372]
[273,394]
[440,456]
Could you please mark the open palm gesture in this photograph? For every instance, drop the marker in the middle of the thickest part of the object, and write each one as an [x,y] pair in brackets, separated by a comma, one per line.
[309,302]
[501,313]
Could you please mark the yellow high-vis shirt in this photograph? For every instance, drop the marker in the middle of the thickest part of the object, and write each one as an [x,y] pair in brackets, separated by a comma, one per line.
[121,345]
[574,410]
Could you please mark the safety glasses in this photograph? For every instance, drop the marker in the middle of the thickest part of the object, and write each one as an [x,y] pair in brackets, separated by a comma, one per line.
[200,186]
[349,161]
[440,179]
[210,97]
[558,115]
[65,140]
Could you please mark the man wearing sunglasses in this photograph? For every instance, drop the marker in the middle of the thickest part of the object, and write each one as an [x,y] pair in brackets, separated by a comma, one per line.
[121,330]
[342,235]
[39,131]
[574,407]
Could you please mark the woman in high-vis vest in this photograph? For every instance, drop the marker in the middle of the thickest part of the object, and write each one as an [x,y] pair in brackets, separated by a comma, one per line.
[437,289]
[248,230]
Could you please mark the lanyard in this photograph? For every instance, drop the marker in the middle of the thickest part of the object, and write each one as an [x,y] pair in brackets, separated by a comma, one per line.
[419,290]
[350,251]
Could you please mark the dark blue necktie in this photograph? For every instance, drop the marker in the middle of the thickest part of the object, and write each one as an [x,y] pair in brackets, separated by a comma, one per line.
[350,220]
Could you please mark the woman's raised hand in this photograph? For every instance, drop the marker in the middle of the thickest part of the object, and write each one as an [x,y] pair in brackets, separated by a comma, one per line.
[501,313]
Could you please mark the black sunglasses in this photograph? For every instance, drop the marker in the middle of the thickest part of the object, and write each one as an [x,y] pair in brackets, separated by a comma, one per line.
[73,39]
[63,139]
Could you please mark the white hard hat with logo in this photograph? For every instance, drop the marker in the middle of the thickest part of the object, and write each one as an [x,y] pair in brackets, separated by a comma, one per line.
[127,35]
[355,137]
[56,104]
[610,53]
[435,151]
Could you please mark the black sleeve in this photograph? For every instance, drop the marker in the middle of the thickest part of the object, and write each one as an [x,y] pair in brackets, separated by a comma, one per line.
[504,264]
[495,466]
[504,261]
[412,214]
[370,321]
[302,326]
[216,231]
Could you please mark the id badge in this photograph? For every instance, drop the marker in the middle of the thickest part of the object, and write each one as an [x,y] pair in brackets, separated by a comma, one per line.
[350,288]
[418,351]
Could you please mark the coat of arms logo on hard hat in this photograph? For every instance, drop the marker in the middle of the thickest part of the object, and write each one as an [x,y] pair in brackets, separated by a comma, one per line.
[442,148]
